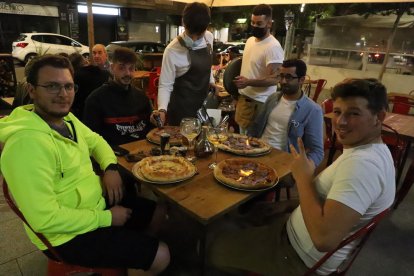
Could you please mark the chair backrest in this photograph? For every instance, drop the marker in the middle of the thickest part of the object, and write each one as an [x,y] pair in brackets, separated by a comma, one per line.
[396,144]
[401,104]
[320,84]
[152,88]
[362,234]
[16,210]
[327,107]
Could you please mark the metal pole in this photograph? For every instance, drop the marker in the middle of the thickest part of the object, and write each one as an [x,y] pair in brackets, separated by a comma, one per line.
[91,35]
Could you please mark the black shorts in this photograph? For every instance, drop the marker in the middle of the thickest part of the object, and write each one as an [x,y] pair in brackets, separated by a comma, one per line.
[115,247]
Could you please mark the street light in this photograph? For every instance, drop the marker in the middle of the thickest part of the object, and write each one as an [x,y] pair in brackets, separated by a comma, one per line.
[289,19]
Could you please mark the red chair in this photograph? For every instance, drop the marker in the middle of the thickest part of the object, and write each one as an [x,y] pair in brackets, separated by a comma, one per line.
[330,140]
[401,104]
[58,267]
[397,147]
[320,84]
[152,88]
[405,186]
[362,234]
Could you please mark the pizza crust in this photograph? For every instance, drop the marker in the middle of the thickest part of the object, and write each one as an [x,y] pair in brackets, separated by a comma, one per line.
[236,143]
[154,135]
[245,174]
[165,168]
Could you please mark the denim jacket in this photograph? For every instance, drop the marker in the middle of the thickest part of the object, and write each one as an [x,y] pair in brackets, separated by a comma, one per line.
[306,122]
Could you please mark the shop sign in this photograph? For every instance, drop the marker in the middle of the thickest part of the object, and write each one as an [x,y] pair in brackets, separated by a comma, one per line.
[26,9]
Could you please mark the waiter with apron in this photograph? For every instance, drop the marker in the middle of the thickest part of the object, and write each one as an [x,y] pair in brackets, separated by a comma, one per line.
[186,67]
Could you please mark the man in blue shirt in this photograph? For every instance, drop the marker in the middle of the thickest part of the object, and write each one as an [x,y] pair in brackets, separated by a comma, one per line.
[289,114]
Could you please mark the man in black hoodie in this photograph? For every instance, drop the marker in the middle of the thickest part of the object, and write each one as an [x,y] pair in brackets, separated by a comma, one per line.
[116,110]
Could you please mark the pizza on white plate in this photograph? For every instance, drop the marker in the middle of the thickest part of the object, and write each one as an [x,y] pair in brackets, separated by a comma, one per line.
[244,145]
[245,174]
[164,169]
[176,137]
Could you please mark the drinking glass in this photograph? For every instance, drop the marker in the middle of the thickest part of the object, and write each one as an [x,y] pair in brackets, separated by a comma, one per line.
[190,128]
[216,135]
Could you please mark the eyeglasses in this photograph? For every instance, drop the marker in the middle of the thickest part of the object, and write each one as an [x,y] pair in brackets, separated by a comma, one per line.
[287,77]
[55,88]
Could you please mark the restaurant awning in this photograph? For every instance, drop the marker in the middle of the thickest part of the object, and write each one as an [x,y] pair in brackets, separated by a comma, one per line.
[228,3]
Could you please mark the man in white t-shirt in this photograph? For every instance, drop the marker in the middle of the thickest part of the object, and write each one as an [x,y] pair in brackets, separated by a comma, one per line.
[262,57]
[341,199]
[186,67]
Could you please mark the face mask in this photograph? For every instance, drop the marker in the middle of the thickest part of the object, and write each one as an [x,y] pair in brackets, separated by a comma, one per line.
[190,43]
[259,32]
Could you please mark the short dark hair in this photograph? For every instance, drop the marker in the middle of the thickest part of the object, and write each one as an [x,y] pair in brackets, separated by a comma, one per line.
[196,17]
[298,63]
[263,9]
[370,89]
[56,61]
[77,60]
[124,55]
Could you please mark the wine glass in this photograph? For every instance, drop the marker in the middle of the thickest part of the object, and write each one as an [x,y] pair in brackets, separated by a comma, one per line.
[216,135]
[190,128]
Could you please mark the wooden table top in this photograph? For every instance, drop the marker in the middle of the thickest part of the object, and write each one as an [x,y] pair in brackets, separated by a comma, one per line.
[8,100]
[202,196]
[403,124]
[140,74]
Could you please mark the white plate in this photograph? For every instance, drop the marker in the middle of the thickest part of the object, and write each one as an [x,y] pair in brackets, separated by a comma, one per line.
[137,172]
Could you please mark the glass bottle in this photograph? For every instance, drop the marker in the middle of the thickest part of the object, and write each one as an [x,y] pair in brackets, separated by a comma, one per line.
[203,147]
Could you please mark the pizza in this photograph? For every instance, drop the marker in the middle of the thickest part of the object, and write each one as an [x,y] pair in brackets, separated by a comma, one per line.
[164,169]
[243,145]
[245,174]
[154,135]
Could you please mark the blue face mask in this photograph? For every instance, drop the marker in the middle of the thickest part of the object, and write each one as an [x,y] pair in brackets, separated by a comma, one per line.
[190,43]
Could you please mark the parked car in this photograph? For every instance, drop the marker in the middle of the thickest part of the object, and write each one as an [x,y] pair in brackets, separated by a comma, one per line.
[139,47]
[29,45]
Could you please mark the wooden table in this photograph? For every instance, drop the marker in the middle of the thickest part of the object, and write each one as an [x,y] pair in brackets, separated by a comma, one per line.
[8,100]
[202,197]
[138,79]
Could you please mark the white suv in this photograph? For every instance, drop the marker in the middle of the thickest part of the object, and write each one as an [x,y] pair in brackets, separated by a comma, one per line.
[29,45]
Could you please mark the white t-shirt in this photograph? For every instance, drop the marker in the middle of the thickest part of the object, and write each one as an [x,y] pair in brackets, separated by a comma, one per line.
[256,56]
[276,130]
[362,178]
[175,63]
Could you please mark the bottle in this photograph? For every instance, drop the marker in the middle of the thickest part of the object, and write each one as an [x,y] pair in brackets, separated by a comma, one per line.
[203,146]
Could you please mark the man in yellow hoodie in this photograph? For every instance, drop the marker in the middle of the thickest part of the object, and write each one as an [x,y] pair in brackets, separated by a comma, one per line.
[46,162]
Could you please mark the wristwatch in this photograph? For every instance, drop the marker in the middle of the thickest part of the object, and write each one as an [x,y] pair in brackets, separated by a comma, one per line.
[112,167]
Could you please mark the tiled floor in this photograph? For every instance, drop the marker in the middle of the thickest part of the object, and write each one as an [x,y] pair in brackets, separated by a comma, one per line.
[389,251]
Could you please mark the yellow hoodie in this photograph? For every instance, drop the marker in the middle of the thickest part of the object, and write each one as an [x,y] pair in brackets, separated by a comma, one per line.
[51,177]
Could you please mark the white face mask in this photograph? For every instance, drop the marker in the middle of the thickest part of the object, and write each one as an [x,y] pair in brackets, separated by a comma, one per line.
[190,43]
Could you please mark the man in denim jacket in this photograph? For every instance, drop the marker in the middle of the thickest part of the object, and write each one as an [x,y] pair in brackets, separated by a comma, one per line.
[289,114]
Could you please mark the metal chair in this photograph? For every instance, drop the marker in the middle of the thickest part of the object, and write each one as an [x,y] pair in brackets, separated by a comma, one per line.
[362,234]
[330,140]
[320,84]
[405,186]
[56,266]
[152,89]
[401,104]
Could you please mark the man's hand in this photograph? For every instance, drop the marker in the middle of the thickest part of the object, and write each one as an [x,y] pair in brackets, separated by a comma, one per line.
[302,168]
[120,215]
[162,116]
[241,82]
[113,184]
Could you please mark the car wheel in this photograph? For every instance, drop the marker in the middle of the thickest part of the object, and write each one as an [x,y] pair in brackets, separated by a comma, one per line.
[29,57]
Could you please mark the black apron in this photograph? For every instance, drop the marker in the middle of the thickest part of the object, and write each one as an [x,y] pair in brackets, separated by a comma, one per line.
[190,89]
